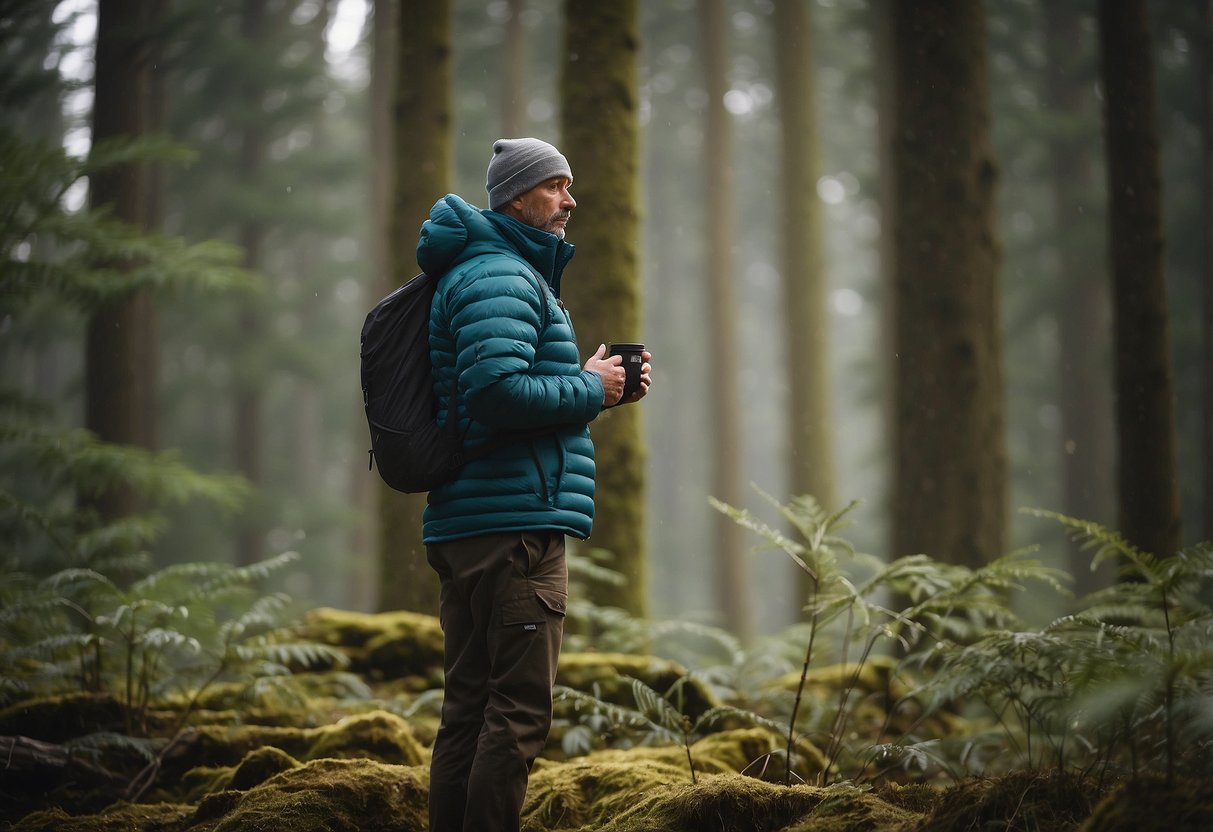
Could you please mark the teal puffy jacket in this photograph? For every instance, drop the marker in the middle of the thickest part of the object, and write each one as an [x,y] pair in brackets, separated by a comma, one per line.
[507,343]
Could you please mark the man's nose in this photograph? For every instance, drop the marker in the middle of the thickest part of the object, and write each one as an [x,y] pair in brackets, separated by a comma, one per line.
[567,201]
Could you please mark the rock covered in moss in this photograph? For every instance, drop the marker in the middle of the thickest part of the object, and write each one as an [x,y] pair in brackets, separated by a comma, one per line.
[388,645]
[378,735]
[586,792]
[61,718]
[746,750]
[326,795]
[728,803]
[120,817]
[257,766]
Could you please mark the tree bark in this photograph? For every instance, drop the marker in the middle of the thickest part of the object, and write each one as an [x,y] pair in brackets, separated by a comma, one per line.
[1145,392]
[1207,369]
[732,569]
[421,139]
[806,324]
[247,439]
[600,138]
[118,386]
[886,107]
[1083,371]
[513,72]
[364,537]
[949,451]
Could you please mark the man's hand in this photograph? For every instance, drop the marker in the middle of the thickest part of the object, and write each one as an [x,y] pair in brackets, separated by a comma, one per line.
[610,369]
[614,377]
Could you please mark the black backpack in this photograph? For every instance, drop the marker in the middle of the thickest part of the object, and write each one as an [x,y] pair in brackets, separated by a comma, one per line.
[411,450]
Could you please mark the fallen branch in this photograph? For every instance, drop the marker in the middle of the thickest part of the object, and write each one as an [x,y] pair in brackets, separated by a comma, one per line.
[24,755]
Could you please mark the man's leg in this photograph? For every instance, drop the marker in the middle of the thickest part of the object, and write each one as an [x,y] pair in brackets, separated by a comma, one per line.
[465,667]
[524,646]
[502,611]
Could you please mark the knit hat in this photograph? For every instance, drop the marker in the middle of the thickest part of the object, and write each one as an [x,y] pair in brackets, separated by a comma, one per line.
[519,165]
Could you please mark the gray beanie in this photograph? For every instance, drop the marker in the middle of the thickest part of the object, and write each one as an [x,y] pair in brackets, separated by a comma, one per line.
[519,165]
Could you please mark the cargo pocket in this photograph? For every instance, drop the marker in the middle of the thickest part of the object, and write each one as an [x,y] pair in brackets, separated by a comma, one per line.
[552,601]
[531,610]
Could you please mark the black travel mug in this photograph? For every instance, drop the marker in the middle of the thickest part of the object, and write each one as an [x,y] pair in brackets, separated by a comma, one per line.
[632,362]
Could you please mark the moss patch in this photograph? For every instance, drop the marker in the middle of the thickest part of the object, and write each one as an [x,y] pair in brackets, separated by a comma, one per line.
[389,645]
[730,803]
[918,798]
[584,793]
[1021,800]
[61,718]
[121,817]
[324,796]
[378,735]
[1150,805]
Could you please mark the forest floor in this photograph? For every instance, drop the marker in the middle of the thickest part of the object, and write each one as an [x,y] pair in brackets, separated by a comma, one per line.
[348,749]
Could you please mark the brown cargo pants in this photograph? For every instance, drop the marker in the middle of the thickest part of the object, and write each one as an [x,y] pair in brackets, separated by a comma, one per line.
[502,611]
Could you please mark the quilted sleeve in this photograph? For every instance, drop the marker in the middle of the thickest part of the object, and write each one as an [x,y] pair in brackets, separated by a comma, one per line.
[513,372]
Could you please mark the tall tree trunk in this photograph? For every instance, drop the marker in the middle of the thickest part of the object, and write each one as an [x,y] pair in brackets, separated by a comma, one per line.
[364,538]
[250,542]
[1145,390]
[881,15]
[599,132]
[732,569]
[1083,371]
[153,184]
[513,72]
[1207,373]
[421,138]
[949,448]
[806,325]
[117,384]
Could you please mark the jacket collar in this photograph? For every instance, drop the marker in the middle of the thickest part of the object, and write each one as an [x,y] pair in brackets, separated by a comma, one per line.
[546,252]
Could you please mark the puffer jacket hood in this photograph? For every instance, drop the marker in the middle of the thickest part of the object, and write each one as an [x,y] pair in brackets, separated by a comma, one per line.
[457,231]
[505,359]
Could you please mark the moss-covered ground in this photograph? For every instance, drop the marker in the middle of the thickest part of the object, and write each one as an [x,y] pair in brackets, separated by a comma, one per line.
[334,762]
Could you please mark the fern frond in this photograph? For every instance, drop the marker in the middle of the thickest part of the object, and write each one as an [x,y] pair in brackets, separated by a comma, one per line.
[100,743]
[262,616]
[615,714]
[30,516]
[728,712]
[744,518]
[71,580]
[180,574]
[1105,542]
[250,574]
[162,638]
[718,640]
[122,535]
[295,654]
[586,568]
[48,648]
[655,708]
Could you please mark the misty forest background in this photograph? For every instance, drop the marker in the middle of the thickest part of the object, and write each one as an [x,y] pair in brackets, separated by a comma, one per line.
[872,254]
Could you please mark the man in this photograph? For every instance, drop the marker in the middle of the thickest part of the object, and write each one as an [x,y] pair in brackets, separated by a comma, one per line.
[500,338]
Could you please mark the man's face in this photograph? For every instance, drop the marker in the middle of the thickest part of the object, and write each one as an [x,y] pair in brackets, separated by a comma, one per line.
[547,206]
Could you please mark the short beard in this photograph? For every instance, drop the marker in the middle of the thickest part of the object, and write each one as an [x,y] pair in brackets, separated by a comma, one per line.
[548,224]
